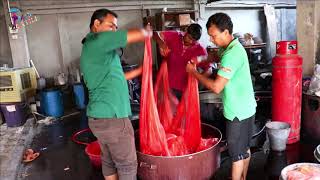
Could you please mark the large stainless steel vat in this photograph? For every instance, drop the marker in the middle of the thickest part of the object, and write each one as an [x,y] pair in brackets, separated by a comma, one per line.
[200,165]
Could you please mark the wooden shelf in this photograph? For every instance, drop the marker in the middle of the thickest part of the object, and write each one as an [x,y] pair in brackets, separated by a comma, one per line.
[175,26]
[179,12]
[261,45]
[172,16]
[170,20]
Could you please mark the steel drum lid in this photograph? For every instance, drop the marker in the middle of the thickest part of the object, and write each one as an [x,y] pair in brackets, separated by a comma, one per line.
[285,170]
[209,97]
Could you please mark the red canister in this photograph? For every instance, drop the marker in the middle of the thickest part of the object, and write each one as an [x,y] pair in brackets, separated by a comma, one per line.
[287,87]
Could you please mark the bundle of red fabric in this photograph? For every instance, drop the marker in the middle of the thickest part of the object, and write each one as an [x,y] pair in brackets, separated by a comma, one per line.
[152,135]
[166,127]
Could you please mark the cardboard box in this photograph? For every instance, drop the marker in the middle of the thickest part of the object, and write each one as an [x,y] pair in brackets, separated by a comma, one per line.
[184,19]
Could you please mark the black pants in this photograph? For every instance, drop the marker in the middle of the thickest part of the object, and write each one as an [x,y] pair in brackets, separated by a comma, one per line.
[239,135]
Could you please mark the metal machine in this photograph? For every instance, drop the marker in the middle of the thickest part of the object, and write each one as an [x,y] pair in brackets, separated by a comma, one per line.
[17,84]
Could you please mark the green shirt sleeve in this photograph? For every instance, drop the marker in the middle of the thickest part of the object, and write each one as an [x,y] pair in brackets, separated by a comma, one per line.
[110,40]
[229,65]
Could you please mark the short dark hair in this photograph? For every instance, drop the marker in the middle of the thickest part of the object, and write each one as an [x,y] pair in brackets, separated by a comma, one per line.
[195,31]
[222,21]
[100,14]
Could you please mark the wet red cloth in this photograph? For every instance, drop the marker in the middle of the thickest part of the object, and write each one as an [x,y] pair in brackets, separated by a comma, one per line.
[152,135]
[166,101]
[186,121]
[168,129]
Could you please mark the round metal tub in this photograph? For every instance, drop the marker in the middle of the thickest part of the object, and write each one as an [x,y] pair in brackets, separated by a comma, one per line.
[211,111]
[295,166]
[311,115]
[200,165]
[210,97]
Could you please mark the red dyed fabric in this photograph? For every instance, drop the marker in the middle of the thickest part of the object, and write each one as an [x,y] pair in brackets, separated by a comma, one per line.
[186,121]
[166,101]
[152,135]
[166,127]
[206,143]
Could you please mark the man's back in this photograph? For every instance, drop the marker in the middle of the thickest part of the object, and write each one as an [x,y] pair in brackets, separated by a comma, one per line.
[103,75]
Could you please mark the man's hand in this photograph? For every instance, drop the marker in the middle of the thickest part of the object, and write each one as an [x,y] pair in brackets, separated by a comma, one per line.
[164,50]
[191,67]
[138,35]
[147,31]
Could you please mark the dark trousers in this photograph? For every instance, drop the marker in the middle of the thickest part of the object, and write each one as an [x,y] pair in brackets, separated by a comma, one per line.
[118,151]
[239,135]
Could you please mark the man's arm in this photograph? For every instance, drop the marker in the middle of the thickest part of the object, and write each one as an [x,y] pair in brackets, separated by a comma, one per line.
[216,85]
[164,49]
[133,73]
[138,35]
[207,73]
[204,64]
[111,40]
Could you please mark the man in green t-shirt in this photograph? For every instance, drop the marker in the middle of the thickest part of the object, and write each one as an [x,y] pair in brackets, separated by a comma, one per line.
[109,107]
[234,81]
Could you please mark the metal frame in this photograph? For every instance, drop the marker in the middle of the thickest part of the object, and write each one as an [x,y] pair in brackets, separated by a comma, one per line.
[115,6]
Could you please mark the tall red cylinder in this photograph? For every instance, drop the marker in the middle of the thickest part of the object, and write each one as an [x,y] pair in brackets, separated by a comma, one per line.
[287,87]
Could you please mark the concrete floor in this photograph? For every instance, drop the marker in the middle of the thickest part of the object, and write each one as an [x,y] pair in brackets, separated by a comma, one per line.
[12,143]
[63,159]
[60,157]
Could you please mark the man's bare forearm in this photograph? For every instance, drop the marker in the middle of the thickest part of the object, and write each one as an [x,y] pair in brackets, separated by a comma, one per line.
[133,73]
[208,83]
[137,35]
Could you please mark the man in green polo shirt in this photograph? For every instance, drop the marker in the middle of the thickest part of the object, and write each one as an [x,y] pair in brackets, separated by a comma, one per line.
[234,81]
[108,108]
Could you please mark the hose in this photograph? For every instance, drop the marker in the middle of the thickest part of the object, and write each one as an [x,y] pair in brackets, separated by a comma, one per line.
[76,134]
[258,133]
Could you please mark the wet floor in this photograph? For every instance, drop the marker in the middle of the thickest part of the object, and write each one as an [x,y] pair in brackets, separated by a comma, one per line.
[267,165]
[63,159]
[60,157]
